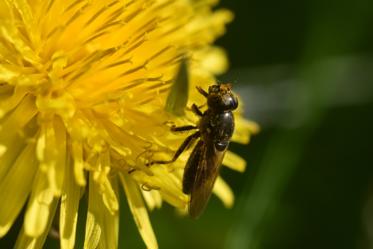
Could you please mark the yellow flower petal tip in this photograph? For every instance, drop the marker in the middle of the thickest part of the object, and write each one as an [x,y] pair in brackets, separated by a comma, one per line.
[2,150]
[224,192]
[234,162]
[84,85]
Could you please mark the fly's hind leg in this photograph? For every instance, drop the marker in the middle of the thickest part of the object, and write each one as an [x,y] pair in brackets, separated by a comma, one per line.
[189,140]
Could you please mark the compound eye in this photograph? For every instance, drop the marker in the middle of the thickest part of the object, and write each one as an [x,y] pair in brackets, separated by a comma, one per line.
[234,103]
[231,102]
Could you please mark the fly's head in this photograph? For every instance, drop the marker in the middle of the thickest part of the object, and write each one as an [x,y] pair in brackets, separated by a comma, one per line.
[221,98]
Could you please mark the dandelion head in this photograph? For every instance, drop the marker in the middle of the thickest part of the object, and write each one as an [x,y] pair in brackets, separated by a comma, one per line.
[83,90]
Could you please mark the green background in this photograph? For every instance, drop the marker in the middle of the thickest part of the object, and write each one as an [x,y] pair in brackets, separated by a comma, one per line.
[305,71]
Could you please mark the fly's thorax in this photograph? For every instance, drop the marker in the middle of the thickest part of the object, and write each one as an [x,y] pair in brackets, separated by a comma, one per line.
[217,127]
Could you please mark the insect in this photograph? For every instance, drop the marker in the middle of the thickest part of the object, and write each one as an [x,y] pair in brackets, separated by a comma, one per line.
[213,133]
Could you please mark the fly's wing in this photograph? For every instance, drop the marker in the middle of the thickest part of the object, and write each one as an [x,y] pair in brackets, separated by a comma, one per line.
[210,160]
[191,168]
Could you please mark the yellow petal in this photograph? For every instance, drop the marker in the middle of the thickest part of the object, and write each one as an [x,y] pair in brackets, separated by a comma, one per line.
[77,151]
[24,9]
[152,198]
[110,226]
[69,208]
[11,102]
[168,184]
[2,150]
[11,34]
[109,197]
[101,176]
[235,162]
[139,211]
[10,132]
[92,228]
[101,225]
[5,11]
[16,186]
[243,130]
[7,74]
[39,208]
[92,232]
[224,192]
[51,152]
[213,59]
[26,242]
[57,179]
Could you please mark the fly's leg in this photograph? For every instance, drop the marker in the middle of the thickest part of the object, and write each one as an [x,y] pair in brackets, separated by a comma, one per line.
[182,147]
[196,110]
[183,128]
[201,91]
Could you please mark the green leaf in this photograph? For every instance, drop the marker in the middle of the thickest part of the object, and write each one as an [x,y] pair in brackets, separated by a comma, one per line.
[178,97]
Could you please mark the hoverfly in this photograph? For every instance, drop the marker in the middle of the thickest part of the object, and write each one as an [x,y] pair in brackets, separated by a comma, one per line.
[214,131]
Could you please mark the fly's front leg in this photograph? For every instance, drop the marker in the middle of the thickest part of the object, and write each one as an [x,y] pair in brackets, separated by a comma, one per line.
[189,140]
[196,110]
[201,91]
[183,128]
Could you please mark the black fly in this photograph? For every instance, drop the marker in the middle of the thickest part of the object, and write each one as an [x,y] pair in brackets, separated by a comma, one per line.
[214,132]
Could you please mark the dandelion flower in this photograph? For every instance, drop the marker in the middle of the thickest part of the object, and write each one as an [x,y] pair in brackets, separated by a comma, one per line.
[83,86]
